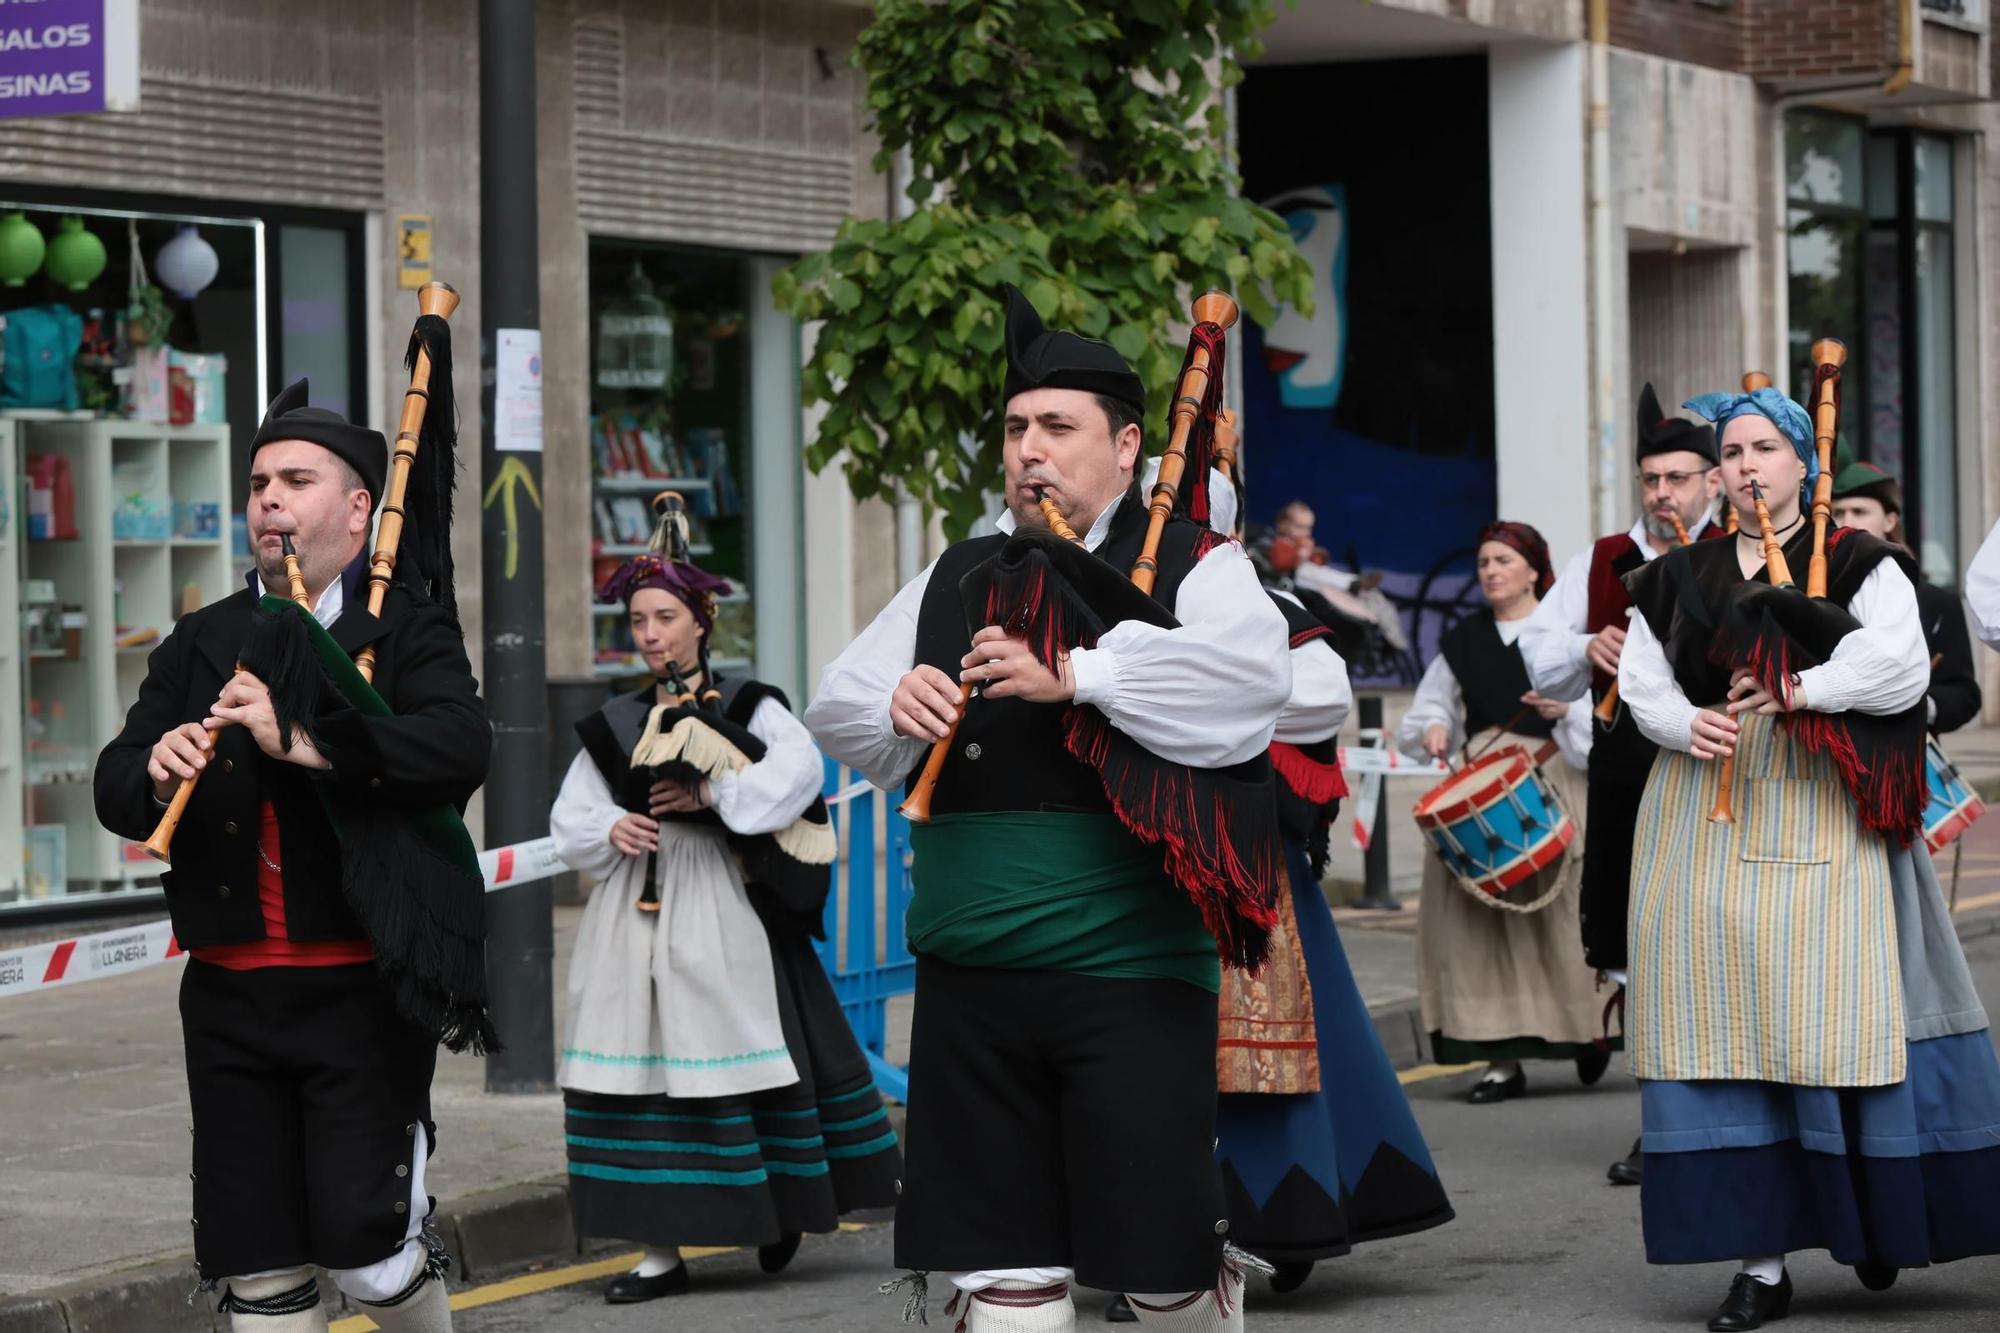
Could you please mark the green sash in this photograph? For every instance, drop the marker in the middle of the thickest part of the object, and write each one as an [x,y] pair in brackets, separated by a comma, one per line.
[1056,893]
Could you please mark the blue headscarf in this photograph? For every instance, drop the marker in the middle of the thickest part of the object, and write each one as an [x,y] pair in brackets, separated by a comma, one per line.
[1790,419]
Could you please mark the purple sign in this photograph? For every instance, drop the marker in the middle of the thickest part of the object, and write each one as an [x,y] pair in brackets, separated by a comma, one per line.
[52,60]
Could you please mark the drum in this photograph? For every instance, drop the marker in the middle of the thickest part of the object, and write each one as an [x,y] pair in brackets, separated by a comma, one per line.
[1954,805]
[1496,825]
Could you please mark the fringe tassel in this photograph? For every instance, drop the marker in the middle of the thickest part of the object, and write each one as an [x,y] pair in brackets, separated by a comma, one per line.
[426,918]
[1220,832]
[434,471]
[1311,779]
[278,651]
[1879,759]
[809,843]
[916,1303]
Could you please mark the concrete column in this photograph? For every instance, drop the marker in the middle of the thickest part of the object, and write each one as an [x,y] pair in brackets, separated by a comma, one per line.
[776,486]
[1541,364]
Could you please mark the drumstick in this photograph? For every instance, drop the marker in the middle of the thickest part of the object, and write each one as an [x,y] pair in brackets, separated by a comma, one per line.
[1509,726]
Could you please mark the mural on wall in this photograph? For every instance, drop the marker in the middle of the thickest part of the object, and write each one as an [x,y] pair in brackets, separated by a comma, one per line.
[1376,410]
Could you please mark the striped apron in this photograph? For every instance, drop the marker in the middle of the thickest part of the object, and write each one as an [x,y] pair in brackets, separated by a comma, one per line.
[1763,949]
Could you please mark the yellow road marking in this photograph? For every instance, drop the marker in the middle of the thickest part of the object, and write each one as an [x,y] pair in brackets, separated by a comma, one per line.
[1421,1073]
[530,1284]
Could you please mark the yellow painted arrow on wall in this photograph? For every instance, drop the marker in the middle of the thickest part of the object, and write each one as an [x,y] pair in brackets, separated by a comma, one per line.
[507,483]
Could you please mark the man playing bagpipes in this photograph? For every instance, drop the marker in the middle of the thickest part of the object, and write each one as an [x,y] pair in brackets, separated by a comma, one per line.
[1101,829]
[1571,646]
[1816,1070]
[1868,499]
[695,998]
[321,880]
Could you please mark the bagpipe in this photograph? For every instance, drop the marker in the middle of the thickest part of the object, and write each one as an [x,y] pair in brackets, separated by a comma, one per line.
[1218,827]
[1774,631]
[411,876]
[699,735]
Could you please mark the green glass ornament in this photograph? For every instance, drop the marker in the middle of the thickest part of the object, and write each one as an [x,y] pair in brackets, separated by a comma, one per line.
[76,256]
[21,249]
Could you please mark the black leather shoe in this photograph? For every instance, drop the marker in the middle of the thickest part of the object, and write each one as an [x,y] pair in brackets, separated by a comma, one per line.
[1120,1312]
[1629,1171]
[773,1258]
[1290,1277]
[1498,1090]
[1590,1068]
[1750,1303]
[1876,1277]
[631,1289]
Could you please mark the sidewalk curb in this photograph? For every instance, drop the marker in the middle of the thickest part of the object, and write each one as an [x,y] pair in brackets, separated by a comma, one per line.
[491,1234]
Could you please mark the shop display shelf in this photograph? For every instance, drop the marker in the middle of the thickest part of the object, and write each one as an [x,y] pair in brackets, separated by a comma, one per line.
[695,549]
[650,484]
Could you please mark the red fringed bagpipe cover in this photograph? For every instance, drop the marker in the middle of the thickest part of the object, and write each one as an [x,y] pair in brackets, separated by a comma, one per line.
[1776,633]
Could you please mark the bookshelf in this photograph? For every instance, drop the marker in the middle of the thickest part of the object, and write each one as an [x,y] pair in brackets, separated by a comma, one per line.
[142,536]
[633,458]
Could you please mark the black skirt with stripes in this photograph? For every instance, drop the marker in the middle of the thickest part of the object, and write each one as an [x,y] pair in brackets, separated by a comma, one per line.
[672,1171]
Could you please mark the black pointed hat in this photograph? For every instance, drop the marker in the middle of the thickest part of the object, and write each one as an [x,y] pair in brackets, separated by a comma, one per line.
[1041,358]
[290,418]
[1662,434]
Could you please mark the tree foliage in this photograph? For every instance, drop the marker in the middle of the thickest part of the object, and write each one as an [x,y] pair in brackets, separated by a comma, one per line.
[1071,147]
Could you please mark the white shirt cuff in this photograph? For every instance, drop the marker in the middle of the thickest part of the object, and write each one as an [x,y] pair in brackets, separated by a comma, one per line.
[1093,670]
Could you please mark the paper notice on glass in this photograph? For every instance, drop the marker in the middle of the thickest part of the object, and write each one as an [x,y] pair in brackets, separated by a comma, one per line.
[517,391]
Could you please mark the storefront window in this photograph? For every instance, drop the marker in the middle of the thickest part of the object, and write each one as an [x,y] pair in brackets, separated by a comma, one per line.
[1912,356]
[670,410]
[1827,224]
[138,344]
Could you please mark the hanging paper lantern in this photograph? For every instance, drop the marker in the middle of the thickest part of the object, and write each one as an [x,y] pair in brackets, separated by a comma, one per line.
[186,264]
[76,256]
[21,249]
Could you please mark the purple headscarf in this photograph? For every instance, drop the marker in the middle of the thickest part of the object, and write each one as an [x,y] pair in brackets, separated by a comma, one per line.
[695,586]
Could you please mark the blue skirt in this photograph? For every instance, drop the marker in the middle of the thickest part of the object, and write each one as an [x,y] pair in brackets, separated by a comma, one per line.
[1310,1176]
[1904,1175]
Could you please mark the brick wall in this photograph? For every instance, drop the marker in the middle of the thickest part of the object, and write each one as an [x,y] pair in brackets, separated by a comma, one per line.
[1774,41]
[1824,39]
[1688,30]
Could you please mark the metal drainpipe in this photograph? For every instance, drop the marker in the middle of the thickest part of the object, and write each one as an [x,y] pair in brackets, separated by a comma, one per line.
[1604,388]
[1906,48]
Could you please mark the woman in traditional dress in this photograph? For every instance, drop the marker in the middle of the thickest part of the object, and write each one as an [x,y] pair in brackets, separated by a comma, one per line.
[1816,1070]
[1498,984]
[713,1092]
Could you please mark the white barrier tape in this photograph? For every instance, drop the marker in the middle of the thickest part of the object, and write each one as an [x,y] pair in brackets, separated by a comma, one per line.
[41,966]
[1367,759]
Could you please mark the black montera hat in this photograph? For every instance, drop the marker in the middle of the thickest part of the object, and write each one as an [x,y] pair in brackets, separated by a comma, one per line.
[1662,434]
[290,418]
[1042,358]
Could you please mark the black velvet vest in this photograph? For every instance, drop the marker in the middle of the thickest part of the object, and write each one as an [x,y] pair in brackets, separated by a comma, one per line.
[1009,754]
[1491,677]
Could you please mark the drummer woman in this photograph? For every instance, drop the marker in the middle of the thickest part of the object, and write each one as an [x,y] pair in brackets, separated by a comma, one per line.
[1499,983]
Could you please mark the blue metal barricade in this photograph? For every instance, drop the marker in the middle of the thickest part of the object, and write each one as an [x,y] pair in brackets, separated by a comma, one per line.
[864,950]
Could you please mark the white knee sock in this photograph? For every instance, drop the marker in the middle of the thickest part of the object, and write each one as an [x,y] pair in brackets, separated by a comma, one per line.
[655,1262]
[1500,1071]
[282,1302]
[1769,1270]
[1218,1309]
[1015,1307]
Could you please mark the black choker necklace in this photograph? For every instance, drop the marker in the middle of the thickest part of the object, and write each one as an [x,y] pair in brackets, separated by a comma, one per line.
[1749,534]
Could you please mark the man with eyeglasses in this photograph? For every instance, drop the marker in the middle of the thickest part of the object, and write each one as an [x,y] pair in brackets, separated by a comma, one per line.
[1572,644]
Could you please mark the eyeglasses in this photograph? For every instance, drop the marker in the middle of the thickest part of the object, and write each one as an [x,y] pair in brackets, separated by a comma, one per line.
[1651,480]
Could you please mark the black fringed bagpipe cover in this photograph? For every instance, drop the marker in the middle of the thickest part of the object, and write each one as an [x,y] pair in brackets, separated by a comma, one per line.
[1726,622]
[1310,784]
[1218,827]
[687,743]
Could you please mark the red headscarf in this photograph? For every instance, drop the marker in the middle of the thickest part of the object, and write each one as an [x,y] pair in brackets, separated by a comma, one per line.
[1532,548]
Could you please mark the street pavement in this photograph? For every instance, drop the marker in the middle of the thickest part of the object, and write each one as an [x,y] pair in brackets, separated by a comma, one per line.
[1541,1241]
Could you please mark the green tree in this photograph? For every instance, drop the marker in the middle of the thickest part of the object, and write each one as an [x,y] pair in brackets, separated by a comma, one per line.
[1071,147]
